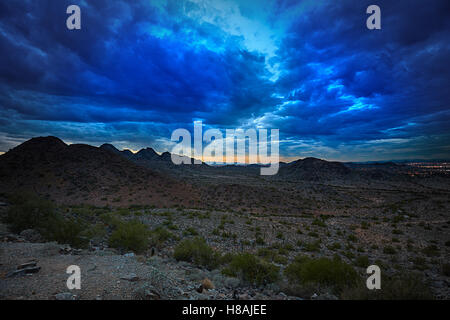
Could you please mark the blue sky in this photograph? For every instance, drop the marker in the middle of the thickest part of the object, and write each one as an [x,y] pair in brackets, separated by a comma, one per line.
[138,70]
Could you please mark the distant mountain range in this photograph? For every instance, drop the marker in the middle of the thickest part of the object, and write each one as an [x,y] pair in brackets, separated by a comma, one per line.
[79,173]
[147,157]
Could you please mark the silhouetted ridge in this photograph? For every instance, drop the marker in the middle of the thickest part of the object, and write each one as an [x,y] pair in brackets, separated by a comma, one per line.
[147,153]
[82,173]
[315,169]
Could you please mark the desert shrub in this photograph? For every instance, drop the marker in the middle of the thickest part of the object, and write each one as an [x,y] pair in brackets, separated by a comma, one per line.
[398,287]
[110,219]
[82,211]
[312,246]
[197,251]
[318,222]
[282,250]
[226,258]
[362,261]
[159,235]
[95,231]
[305,290]
[131,235]
[280,259]
[389,250]
[259,241]
[266,253]
[170,225]
[271,255]
[251,269]
[431,251]
[65,230]
[123,212]
[28,211]
[334,246]
[332,273]
[420,263]
[190,231]
[348,254]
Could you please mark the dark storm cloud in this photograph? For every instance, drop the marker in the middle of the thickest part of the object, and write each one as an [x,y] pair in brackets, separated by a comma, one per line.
[137,70]
[116,61]
[354,84]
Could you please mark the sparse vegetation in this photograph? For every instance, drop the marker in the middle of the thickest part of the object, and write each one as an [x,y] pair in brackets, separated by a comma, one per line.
[362,261]
[324,272]
[252,270]
[198,252]
[28,211]
[132,235]
[400,287]
[160,235]
[431,251]
[389,250]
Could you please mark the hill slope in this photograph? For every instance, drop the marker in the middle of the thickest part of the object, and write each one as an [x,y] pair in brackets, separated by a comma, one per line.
[80,173]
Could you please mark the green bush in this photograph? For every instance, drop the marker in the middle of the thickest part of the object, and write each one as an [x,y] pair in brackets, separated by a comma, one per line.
[389,250]
[362,261]
[110,219]
[333,273]
[66,231]
[251,269]
[267,254]
[190,232]
[159,235]
[334,246]
[28,211]
[399,287]
[259,241]
[198,252]
[420,263]
[95,231]
[312,246]
[226,258]
[431,251]
[132,235]
[318,222]
[280,259]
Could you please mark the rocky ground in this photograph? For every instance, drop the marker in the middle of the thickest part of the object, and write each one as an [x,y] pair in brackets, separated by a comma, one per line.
[402,233]
[107,275]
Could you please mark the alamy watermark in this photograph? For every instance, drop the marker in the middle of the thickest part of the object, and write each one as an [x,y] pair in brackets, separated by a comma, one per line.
[229,149]
[74,280]
[73,22]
